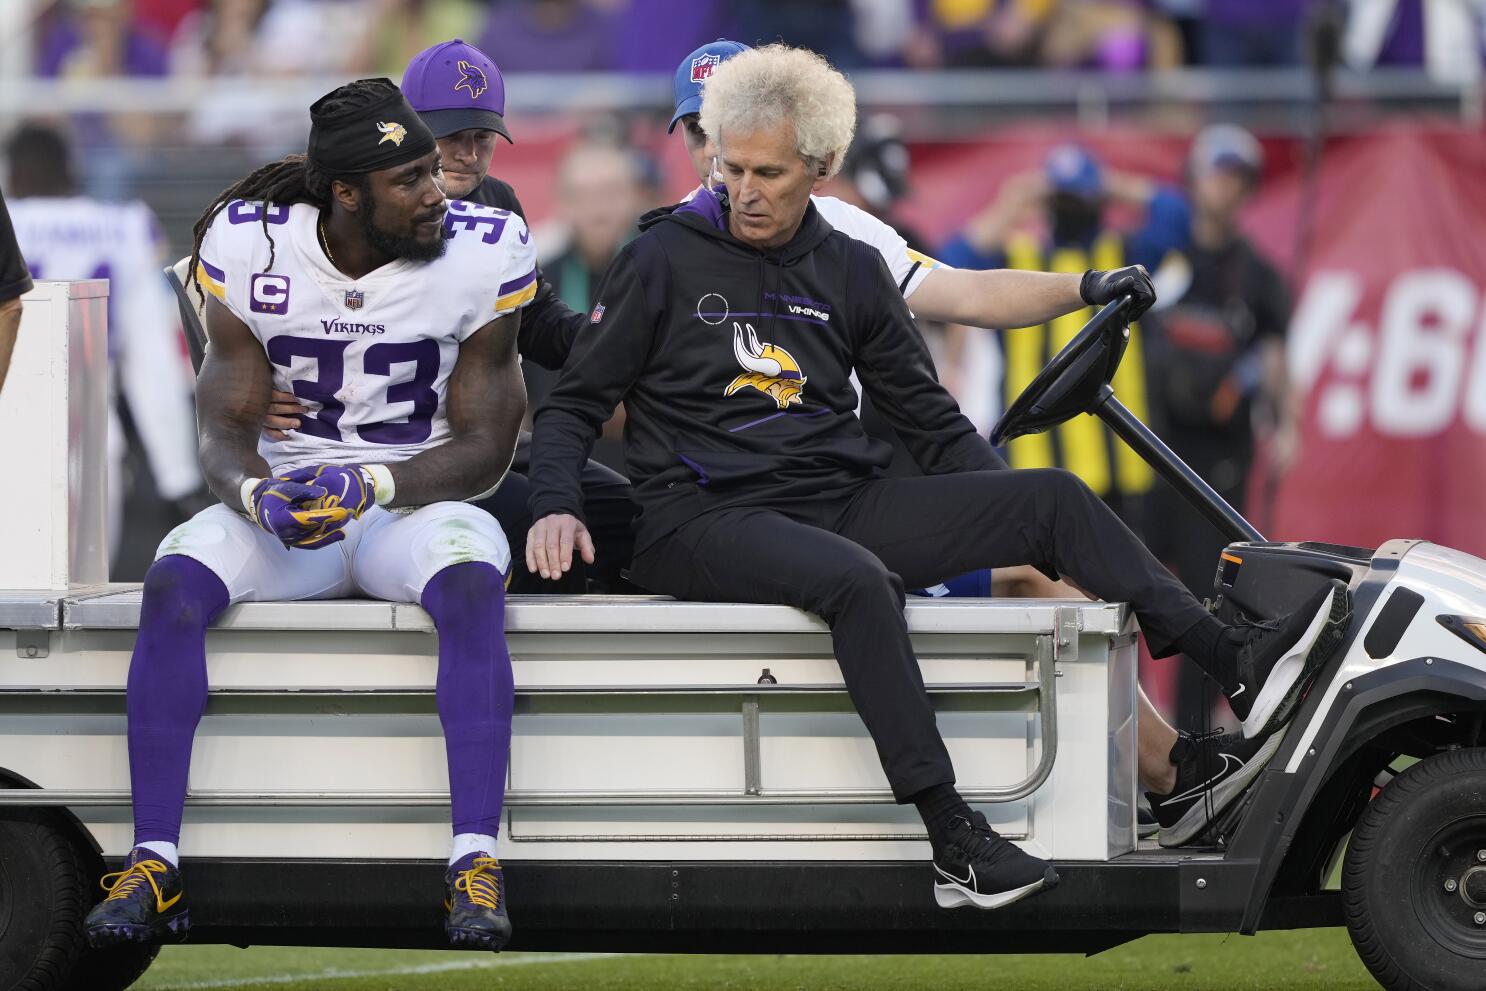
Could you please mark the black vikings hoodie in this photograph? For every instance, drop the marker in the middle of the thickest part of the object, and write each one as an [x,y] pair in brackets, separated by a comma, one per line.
[734,365]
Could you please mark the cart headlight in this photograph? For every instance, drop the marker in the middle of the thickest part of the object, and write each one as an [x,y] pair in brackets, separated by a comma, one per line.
[1468,628]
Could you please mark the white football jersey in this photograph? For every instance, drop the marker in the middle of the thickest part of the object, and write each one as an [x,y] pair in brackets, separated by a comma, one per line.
[75,237]
[369,357]
[909,267]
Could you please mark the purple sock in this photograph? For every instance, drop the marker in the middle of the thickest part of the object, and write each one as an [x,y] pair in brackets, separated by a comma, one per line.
[167,689]
[476,691]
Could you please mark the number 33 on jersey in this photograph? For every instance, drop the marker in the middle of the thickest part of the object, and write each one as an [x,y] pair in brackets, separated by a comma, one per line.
[370,357]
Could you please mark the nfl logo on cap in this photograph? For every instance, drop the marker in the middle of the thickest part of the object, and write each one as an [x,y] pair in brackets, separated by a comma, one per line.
[354,299]
[702,67]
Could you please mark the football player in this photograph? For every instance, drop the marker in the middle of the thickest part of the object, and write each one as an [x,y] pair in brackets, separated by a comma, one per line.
[67,235]
[460,94]
[344,277]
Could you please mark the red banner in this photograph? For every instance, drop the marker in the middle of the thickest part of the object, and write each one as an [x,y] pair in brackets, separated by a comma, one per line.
[1388,341]
[1388,337]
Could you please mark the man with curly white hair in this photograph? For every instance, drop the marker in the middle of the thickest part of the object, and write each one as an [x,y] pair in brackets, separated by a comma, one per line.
[730,328]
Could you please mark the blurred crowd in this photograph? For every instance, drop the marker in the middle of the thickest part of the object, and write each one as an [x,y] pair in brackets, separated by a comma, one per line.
[207,38]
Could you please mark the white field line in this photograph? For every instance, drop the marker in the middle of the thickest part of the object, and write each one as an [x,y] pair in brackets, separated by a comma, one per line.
[427,968]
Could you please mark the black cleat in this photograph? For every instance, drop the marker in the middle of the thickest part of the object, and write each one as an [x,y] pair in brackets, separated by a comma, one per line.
[476,903]
[1211,771]
[1279,659]
[976,866]
[145,904]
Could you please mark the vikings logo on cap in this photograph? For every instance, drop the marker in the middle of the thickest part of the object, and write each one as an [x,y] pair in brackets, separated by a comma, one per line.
[702,67]
[393,132]
[471,78]
[768,368]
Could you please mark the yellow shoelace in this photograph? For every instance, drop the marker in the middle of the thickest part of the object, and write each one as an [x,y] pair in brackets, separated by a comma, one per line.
[122,884]
[481,886]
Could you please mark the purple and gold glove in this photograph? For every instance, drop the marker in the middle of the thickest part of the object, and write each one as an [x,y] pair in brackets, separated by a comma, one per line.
[349,487]
[350,490]
[291,510]
[310,507]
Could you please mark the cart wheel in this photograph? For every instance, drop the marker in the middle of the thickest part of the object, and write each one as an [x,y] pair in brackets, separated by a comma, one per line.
[41,902]
[115,968]
[1414,880]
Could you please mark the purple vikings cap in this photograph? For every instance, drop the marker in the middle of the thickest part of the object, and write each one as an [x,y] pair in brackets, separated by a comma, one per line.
[454,87]
[693,71]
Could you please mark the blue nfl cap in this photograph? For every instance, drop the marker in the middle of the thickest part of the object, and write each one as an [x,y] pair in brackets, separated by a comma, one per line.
[694,70]
[1073,171]
[454,87]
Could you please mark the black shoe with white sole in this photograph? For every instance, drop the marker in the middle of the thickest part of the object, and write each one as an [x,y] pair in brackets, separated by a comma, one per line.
[1211,771]
[1278,660]
[976,866]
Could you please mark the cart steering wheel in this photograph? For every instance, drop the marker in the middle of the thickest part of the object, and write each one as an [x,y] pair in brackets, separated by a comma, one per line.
[1075,381]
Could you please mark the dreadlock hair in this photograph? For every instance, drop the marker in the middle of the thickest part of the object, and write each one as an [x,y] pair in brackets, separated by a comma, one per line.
[293,179]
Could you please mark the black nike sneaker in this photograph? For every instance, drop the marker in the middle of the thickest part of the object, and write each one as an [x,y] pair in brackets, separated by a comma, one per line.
[1278,659]
[1211,771]
[145,904]
[476,903]
[975,866]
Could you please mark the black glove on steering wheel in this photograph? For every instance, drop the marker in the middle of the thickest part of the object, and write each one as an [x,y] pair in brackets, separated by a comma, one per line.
[1098,288]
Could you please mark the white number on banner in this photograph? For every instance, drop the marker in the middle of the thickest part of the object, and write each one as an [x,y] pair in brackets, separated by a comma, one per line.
[1475,382]
[1408,380]
[1416,379]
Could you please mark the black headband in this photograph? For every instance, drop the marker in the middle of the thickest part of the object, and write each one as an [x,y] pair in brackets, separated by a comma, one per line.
[381,135]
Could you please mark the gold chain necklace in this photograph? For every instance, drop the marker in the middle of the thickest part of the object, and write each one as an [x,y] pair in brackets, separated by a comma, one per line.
[325,243]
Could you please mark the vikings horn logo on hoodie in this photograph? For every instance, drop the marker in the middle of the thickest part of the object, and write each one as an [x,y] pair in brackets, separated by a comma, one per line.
[769,368]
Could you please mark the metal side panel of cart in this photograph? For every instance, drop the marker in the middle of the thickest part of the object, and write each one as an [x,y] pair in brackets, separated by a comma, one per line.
[645,729]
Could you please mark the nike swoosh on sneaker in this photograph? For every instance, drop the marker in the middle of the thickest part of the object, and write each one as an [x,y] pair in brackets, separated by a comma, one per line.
[1228,761]
[968,880]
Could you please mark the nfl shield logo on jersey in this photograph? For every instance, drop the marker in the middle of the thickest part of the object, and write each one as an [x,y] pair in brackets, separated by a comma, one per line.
[354,299]
[702,67]
[598,314]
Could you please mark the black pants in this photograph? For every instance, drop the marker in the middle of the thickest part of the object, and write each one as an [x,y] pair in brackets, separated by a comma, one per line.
[608,509]
[848,556]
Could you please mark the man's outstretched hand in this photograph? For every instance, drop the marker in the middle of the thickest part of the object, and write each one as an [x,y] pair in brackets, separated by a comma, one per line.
[1100,287]
[550,543]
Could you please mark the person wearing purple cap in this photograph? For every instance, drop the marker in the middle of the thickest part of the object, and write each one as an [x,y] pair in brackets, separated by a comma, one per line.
[345,275]
[460,94]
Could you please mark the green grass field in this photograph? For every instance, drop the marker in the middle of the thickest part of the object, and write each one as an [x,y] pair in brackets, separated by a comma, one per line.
[1306,960]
